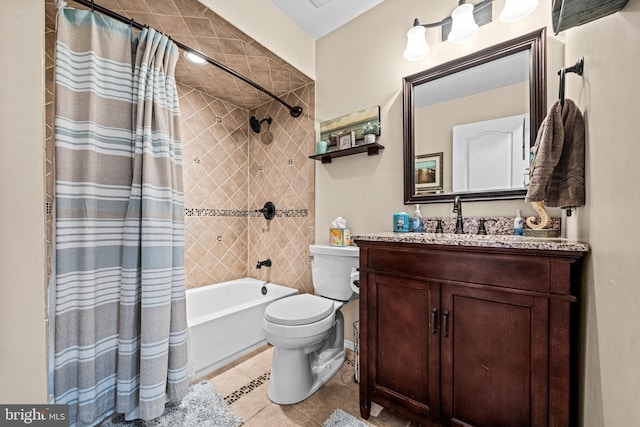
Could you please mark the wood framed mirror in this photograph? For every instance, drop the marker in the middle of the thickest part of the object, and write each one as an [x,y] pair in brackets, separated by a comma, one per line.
[469,123]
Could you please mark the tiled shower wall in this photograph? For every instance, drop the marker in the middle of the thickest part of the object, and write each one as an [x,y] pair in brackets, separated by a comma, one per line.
[229,171]
[215,160]
[281,172]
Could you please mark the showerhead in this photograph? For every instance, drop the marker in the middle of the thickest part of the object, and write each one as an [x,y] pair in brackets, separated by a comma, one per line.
[257,124]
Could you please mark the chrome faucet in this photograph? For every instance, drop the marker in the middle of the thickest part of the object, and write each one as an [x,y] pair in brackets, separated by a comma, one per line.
[265,263]
[457,208]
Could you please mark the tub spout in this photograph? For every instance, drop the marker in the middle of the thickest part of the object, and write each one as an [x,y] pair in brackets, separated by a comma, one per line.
[265,263]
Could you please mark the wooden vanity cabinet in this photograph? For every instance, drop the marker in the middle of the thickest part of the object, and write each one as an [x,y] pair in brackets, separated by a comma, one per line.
[466,336]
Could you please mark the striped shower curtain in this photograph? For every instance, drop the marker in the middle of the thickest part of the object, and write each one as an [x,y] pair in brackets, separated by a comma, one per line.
[120,317]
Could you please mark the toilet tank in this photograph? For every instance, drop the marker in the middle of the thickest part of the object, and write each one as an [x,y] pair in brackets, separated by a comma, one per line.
[331,268]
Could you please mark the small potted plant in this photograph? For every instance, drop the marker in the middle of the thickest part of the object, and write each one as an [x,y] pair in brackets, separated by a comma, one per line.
[369,131]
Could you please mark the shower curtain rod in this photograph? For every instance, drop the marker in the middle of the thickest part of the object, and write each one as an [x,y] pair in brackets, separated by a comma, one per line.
[294,111]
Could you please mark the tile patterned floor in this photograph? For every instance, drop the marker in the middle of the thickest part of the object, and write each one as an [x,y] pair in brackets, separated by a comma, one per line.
[244,384]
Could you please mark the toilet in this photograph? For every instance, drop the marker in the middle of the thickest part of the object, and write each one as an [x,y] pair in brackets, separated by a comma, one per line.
[307,331]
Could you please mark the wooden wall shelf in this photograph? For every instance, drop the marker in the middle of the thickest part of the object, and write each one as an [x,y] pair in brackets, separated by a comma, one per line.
[371,149]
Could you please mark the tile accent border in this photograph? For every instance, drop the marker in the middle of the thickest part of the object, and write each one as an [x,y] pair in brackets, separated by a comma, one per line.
[290,213]
[238,213]
[247,388]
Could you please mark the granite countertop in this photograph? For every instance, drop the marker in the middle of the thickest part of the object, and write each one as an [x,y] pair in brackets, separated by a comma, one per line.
[489,241]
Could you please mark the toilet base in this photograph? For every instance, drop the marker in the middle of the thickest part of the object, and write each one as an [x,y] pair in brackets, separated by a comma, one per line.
[296,373]
[293,380]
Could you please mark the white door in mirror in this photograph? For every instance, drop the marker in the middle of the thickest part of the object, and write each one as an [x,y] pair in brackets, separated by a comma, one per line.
[491,155]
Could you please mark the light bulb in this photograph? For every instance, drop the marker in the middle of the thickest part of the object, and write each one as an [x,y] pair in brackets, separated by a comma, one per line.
[464,25]
[417,46]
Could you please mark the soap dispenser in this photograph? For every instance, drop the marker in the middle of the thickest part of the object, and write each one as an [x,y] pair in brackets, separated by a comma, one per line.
[401,222]
[518,224]
[416,221]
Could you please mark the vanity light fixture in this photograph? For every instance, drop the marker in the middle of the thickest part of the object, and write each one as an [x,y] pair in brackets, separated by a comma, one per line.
[464,23]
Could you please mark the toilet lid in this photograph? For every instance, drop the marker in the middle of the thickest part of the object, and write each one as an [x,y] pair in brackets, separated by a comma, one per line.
[298,310]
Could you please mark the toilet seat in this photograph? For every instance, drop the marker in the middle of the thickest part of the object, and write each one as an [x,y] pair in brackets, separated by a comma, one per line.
[299,310]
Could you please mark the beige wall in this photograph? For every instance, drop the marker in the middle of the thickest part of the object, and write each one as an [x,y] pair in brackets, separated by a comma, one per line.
[608,95]
[361,64]
[22,286]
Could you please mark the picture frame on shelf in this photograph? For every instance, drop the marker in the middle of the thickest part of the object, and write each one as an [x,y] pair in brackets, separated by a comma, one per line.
[346,140]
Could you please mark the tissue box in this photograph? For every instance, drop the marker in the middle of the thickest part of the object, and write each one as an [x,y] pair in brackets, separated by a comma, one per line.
[340,236]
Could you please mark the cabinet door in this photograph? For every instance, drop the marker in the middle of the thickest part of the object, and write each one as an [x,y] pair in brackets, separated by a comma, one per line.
[404,343]
[494,358]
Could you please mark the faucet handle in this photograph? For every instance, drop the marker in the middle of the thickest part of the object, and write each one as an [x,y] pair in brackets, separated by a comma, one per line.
[481,230]
[438,222]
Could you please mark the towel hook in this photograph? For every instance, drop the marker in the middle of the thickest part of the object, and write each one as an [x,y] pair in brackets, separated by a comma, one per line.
[577,68]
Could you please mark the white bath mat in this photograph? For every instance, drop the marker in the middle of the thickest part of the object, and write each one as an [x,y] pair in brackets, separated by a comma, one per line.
[339,418]
[201,407]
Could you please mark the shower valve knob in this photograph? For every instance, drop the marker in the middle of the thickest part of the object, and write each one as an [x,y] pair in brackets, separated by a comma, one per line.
[268,211]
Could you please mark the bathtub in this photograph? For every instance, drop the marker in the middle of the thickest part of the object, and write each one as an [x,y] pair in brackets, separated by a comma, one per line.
[225,320]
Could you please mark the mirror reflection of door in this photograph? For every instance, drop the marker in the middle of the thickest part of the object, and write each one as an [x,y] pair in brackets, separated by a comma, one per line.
[492,154]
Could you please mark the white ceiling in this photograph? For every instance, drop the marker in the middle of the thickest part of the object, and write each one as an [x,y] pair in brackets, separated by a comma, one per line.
[320,17]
